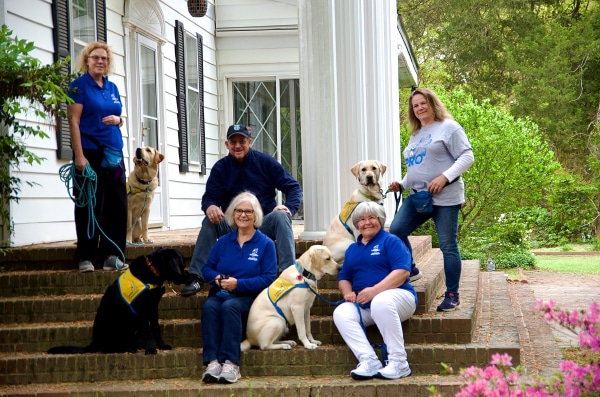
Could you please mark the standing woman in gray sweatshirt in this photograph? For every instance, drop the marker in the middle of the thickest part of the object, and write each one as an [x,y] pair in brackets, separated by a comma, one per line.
[437,154]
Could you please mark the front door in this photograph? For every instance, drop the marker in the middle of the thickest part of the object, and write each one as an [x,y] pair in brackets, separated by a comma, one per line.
[145,130]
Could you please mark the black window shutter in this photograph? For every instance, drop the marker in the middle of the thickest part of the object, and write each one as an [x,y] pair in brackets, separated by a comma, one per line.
[181,97]
[101,20]
[62,49]
[201,102]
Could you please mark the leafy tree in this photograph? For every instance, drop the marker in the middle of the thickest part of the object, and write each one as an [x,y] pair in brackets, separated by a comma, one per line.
[27,87]
[540,60]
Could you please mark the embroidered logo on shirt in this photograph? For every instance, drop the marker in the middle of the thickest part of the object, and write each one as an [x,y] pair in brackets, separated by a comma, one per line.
[375,250]
[253,255]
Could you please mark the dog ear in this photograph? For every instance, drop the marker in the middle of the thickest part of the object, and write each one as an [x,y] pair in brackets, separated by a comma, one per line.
[382,168]
[356,169]
[158,157]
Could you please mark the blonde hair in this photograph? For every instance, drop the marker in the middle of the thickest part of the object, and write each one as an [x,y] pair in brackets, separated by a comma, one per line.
[439,109]
[240,198]
[85,54]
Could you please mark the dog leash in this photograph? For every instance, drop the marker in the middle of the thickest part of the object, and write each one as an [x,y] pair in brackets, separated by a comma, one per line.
[87,196]
[381,346]
[397,197]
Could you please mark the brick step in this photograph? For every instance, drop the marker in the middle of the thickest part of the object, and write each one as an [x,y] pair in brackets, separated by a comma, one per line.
[290,386]
[59,255]
[327,360]
[71,296]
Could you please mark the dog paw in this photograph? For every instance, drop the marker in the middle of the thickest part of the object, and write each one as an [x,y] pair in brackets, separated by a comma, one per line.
[315,342]
[151,350]
[164,346]
[311,346]
[148,241]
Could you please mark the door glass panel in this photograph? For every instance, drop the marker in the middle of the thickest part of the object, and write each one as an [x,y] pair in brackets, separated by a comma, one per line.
[148,95]
[255,103]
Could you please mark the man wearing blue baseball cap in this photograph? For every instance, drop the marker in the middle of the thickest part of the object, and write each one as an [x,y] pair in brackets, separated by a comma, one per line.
[244,169]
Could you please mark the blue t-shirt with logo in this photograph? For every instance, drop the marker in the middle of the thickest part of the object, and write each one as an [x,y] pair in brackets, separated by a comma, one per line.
[254,264]
[367,264]
[98,102]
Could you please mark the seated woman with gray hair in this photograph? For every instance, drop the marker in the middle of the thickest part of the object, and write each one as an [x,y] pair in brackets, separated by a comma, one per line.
[240,265]
[374,284]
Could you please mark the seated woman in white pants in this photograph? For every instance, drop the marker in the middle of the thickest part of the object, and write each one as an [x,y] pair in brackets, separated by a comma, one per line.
[374,284]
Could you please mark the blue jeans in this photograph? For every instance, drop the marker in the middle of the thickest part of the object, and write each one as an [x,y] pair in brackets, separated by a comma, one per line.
[445,218]
[277,226]
[223,327]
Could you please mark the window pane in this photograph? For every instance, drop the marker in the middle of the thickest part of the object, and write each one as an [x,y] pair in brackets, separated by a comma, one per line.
[193,126]
[83,25]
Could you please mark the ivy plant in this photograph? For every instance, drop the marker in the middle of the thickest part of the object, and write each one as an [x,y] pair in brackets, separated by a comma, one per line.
[29,89]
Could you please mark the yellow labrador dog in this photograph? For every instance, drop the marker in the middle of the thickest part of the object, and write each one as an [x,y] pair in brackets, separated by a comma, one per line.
[287,301]
[341,232]
[141,183]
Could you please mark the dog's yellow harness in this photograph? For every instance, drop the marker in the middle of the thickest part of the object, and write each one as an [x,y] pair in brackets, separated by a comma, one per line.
[280,287]
[345,214]
[132,287]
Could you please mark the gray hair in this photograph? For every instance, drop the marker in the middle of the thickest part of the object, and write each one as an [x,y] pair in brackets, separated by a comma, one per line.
[240,198]
[368,208]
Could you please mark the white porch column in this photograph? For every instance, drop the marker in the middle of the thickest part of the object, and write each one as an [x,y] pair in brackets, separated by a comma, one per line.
[349,97]
[318,116]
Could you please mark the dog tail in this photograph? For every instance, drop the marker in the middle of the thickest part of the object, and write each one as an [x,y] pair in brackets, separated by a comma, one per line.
[71,349]
[245,345]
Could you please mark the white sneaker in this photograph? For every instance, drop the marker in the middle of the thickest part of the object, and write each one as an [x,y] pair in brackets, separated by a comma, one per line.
[212,373]
[230,373]
[113,263]
[366,369]
[86,267]
[394,370]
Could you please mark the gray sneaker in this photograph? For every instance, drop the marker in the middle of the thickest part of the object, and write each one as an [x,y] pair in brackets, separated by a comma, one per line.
[212,373]
[394,370]
[113,263]
[366,370]
[86,267]
[230,373]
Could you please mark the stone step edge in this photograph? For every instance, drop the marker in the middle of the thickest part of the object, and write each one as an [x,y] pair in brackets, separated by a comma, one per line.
[293,386]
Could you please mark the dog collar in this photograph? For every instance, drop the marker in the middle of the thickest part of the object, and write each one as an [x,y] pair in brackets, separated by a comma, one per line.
[143,181]
[372,198]
[305,273]
[152,268]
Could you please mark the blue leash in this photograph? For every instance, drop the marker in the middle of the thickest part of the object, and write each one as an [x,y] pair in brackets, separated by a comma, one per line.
[87,186]
[381,346]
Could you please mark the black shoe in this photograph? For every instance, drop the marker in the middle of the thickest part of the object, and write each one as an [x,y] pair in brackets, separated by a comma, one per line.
[415,274]
[193,287]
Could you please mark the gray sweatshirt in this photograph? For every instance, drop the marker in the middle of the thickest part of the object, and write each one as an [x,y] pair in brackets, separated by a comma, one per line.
[439,148]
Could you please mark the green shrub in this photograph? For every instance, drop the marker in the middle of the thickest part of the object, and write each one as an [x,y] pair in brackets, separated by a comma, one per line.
[511,260]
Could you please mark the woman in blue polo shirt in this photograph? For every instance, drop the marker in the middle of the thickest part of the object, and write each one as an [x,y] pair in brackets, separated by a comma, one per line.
[95,121]
[240,265]
[374,284]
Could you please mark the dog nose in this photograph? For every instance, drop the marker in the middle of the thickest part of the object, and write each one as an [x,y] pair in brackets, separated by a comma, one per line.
[138,153]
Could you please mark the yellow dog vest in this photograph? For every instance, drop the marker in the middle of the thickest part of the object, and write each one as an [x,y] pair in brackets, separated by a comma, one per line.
[279,288]
[132,287]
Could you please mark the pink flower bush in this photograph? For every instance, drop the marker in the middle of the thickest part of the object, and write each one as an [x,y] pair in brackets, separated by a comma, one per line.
[501,379]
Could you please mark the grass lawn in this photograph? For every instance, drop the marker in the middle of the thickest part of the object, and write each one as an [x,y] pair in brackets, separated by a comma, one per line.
[571,264]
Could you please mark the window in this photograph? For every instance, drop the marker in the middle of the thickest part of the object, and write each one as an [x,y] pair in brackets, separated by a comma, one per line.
[76,23]
[190,99]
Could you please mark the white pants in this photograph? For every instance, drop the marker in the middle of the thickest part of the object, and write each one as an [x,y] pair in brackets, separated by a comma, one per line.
[388,309]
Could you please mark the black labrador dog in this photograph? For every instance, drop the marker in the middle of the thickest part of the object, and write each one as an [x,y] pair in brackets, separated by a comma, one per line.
[128,312]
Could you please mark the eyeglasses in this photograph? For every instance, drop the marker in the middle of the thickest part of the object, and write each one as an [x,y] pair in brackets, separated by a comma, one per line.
[371,219]
[239,212]
[97,58]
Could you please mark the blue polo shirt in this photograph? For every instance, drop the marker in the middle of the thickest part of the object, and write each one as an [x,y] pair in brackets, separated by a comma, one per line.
[98,102]
[254,264]
[367,264]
